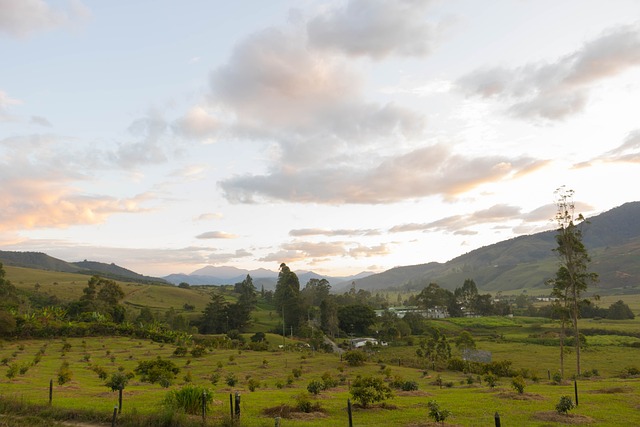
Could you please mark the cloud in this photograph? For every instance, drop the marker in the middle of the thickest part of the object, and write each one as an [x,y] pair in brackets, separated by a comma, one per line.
[40,121]
[304,232]
[458,224]
[39,179]
[216,235]
[308,103]
[560,89]
[25,17]
[5,102]
[209,216]
[197,123]
[427,171]
[223,258]
[375,28]
[628,151]
[316,251]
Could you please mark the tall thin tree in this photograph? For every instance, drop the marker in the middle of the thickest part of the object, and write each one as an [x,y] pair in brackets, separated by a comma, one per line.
[573,276]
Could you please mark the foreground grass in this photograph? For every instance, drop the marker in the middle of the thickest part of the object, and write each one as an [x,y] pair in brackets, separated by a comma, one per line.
[605,400]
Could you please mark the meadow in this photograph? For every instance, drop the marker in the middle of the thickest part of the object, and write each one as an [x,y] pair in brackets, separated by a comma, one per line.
[605,399]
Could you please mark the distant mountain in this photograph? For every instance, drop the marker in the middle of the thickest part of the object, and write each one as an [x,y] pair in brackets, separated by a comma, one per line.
[211,275]
[526,262]
[41,261]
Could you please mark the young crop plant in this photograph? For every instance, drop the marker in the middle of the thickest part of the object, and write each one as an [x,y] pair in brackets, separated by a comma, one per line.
[367,390]
[518,384]
[564,405]
[437,414]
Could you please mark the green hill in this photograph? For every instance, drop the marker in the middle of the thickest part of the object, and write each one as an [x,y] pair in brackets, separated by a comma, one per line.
[526,262]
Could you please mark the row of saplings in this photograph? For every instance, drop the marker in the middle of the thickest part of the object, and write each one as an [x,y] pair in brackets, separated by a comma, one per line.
[364,390]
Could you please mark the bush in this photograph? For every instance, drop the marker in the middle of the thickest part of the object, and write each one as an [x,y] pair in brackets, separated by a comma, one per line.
[557,378]
[315,387]
[355,358]
[329,381]
[518,384]
[180,351]
[158,371]
[564,405]
[366,390]
[189,399]
[437,414]
[118,381]
[491,380]
[64,373]
[231,380]
[253,384]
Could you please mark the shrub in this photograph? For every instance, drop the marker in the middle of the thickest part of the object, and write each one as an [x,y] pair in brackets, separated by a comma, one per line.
[557,378]
[366,390]
[401,384]
[214,378]
[253,384]
[180,351]
[198,351]
[491,380]
[13,370]
[564,405]
[118,381]
[189,399]
[158,371]
[315,387]
[355,358]
[297,372]
[64,373]
[437,414]
[329,381]
[518,384]
[231,379]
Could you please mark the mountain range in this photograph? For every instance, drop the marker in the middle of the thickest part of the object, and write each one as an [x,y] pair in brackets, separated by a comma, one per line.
[522,263]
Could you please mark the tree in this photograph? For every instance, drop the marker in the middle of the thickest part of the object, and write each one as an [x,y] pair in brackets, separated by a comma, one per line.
[110,292]
[366,390]
[573,276]
[329,317]
[240,312]
[620,311]
[467,295]
[287,297]
[216,315]
[356,318]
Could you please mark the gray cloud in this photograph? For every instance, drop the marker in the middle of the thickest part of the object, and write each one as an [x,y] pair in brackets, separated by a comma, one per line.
[423,172]
[557,90]
[24,17]
[40,121]
[222,258]
[216,235]
[375,28]
[304,232]
[458,224]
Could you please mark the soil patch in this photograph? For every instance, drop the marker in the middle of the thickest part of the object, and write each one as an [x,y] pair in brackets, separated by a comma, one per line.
[519,396]
[552,416]
[612,390]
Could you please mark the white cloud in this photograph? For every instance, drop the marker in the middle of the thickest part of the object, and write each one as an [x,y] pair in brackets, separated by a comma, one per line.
[21,18]
[375,28]
[560,89]
[216,235]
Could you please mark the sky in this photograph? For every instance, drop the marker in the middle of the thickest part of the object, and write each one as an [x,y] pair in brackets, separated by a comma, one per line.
[333,136]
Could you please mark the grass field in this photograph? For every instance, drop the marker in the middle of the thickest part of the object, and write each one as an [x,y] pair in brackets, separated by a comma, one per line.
[605,400]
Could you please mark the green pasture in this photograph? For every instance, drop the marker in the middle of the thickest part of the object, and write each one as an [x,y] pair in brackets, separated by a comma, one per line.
[606,400]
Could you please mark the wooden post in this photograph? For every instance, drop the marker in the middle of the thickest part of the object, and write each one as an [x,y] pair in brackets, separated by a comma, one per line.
[204,406]
[277,421]
[575,387]
[50,391]
[115,415]
[349,412]
[237,405]
[549,374]
[231,405]
[497,419]
[120,400]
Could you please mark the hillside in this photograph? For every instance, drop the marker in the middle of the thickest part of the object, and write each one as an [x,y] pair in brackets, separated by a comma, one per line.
[525,262]
[41,261]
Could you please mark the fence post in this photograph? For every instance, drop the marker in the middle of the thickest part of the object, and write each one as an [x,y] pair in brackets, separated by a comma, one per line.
[575,387]
[497,419]
[231,405]
[349,412]
[204,406]
[120,399]
[549,374]
[115,414]
[237,405]
[277,421]
[50,391]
